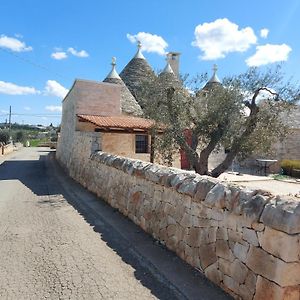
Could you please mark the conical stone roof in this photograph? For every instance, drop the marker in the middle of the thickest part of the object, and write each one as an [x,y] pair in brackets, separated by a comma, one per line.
[214,80]
[136,72]
[129,105]
[168,77]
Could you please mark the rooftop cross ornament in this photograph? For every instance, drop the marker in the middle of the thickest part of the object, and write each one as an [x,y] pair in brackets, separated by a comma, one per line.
[215,68]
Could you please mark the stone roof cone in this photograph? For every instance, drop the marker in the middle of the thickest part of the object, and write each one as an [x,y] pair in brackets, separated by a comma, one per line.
[136,72]
[129,105]
[168,76]
[214,80]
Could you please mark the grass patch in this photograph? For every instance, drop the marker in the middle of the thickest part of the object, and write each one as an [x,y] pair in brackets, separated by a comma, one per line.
[282,177]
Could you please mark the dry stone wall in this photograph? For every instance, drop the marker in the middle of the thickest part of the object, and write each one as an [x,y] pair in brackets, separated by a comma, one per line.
[246,241]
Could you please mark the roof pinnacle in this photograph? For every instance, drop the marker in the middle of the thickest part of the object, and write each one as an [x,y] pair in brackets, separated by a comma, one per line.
[168,68]
[139,53]
[113,73]
[215,78]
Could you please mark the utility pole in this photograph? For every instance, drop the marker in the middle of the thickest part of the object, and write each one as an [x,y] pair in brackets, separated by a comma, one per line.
[9,122]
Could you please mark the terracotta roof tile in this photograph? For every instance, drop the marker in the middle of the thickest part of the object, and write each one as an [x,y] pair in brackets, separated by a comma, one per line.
[122,122]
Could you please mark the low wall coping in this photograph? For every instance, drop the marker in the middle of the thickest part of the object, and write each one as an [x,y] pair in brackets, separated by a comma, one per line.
[278,212]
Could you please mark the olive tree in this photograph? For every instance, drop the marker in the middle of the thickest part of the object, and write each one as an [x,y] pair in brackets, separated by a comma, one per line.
[244,115]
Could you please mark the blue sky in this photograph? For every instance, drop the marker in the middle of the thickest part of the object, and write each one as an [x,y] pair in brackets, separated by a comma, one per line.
[45,45]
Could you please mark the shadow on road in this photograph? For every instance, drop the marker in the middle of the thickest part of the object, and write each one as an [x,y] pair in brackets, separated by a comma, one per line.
[45,177]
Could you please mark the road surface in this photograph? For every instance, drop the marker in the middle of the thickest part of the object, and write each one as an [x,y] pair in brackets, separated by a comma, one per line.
[58,241]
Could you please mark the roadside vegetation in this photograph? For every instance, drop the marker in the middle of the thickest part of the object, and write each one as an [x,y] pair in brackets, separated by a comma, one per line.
[23,133]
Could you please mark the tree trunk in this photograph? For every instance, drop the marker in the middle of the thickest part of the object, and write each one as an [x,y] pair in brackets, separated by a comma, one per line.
[224,165]
[237,143]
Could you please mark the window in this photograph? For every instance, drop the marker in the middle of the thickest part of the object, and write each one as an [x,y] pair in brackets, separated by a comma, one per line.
[141,143]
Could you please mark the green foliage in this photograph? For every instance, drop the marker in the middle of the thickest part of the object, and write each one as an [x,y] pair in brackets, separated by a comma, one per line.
[19,136]
[291,167]
[4,136]
[244,115]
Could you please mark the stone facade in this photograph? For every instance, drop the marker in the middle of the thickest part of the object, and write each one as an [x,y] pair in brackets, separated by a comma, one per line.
[246,241]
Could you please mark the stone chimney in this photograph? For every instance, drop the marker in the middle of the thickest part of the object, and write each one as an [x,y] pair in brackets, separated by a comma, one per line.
[173,58]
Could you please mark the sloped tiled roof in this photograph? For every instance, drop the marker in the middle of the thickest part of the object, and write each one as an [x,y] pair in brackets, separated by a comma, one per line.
[121,122]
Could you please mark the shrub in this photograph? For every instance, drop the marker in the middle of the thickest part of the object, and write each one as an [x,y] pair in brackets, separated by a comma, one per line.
[4,136]
[289,166]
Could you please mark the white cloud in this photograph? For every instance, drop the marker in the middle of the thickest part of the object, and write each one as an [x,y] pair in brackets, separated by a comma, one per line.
[13,44]
[53,88]
[218,38]
[264,33]
[81,53]
[150,42]
[3,111]
[268,54]
[59,55]
[27,108]
[9,88]
[54,108]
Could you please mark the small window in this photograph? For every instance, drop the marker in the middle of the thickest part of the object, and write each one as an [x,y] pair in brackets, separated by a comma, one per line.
[141,143]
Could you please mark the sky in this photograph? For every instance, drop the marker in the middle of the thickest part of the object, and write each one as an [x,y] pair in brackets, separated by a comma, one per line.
[45,45]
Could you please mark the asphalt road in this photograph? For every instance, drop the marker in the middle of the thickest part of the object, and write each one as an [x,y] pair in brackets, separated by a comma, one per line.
[58,241]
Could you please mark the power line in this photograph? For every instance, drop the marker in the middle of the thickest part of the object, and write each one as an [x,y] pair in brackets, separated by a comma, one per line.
[39,66]
[37,115]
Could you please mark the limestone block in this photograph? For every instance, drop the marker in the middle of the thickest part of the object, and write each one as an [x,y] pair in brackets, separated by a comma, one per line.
[154,172]
[250,236]
[196,208]
[245,293]
[138,168]
[188,186]
[273,268]
[163,234]
[216,196]
[250,281]
[118,162]
[188,250]
[250,207]
[235,236]
[238,271]
[230,283]
[266,289]
[222,234]
[240,251]
[181,232]
[258,226]
[181,249]
[143,223]
[232,197]
[212,234]
[187,220]
[224,266]
[223,250]
[207,254]
[172,242]
[213,274]
[282,213]
[201,222]
[280,244]
[169,209]
[217,214]
[177,179]
[193,238]
[205,212]
[171,230]
[203,187]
